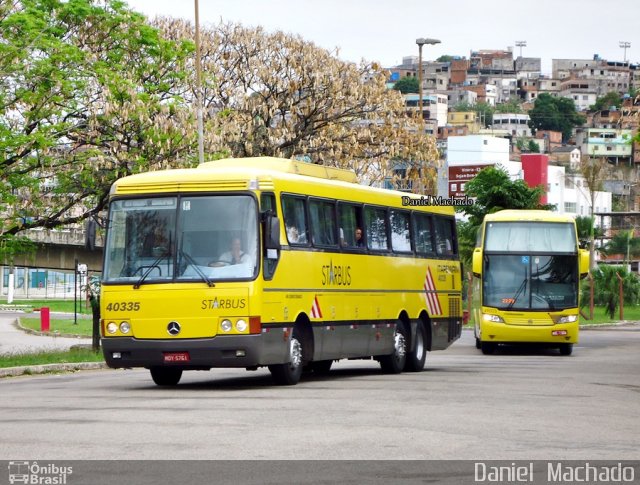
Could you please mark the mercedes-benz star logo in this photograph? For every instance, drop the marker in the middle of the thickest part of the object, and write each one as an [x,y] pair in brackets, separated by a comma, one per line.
[173,328]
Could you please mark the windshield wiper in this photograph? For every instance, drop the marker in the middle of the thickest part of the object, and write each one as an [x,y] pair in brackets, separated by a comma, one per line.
[195,265]
[149,269]
[521,288]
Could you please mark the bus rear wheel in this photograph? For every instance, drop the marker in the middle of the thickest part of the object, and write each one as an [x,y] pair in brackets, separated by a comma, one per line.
[288,374]
[396,360]
[417,357]
[165,376]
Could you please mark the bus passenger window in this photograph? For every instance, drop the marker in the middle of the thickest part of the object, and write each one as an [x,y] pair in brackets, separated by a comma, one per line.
[350,219]
[376,228]
[295,219]
[444,236]
[400,235]
[422,233]
[323,222]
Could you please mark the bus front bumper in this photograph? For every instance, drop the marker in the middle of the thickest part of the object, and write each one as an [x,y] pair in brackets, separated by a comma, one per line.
[221,351]
[561,333]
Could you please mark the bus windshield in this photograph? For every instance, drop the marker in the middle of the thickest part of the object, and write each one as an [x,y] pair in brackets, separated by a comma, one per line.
[160,239]
[528,237]
[530,282]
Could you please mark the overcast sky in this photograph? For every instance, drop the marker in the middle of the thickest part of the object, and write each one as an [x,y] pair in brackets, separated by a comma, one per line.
[385,31]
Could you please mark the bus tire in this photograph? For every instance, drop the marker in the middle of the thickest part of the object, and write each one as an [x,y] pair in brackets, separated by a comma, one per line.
[166,376]
[417,357]
[394,362]
[488,348]
[288,374]
[566,349]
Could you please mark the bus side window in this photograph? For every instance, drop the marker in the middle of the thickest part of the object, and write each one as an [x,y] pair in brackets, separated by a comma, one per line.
[445,240]
[350,220]
[322,216]
[400,233]
[375,220]
[295,219]
[268,203]
[423,233]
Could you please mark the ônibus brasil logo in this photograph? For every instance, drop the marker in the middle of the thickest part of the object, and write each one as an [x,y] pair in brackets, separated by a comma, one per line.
[34,473]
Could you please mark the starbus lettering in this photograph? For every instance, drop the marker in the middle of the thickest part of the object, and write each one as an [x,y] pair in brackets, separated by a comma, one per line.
[336,275]
[224,303]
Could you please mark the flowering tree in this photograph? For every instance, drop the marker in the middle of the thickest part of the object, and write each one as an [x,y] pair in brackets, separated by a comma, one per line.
[91,91]
[276,94]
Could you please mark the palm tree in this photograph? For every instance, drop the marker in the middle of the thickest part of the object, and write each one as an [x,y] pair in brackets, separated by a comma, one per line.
[606,284]
[583,225]
[623,243]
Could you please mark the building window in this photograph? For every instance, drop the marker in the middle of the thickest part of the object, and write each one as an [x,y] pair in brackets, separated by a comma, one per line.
[570,207]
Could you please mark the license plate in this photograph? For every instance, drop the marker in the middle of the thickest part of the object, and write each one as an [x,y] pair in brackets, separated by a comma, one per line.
[176,356]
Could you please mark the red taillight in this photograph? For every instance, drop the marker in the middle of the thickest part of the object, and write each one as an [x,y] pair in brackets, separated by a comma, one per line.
[102,328]
[254,325]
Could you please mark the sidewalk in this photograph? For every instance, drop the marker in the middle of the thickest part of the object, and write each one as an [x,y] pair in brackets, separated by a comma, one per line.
[16,341]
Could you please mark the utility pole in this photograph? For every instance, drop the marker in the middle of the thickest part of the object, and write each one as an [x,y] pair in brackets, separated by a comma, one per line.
[199,89]
[521,44]
[625,45]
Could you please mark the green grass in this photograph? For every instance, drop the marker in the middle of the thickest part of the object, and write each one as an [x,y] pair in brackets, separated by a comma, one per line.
[631,312]
[54,305]
[84,328]
[59,357]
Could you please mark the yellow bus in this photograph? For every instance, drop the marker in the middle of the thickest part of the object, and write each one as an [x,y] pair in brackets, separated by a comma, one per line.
[527,267]
[270,262]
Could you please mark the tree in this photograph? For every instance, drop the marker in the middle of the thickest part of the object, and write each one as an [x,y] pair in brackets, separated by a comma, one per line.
[592,171]
[408,84]
[88,93]
[493,190]
[584,225]
[555,113]
[445,58]
[276,94]
[607,289]
[511,106]
[624,243]
[607,101]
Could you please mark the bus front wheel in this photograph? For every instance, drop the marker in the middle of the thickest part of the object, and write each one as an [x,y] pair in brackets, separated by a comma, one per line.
[487,348]
[395,361]
[288,374]
[566,349]
[165,376]
[417,357]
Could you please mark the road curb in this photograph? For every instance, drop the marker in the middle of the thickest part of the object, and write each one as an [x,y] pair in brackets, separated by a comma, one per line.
[49,368]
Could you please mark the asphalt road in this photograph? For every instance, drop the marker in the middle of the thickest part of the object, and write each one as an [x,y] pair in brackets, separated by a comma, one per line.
[518,404]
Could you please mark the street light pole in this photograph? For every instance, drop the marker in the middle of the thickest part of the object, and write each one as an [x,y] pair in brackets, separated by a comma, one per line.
[422,41]
[199,89]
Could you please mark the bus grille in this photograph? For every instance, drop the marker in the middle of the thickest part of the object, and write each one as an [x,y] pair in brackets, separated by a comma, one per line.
[454,307]
[522,320]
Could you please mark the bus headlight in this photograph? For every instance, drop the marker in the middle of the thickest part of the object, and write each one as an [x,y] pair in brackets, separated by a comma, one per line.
[112,327]
[492,318]
[565,318]
[226,325]
[125,327]
[241,325]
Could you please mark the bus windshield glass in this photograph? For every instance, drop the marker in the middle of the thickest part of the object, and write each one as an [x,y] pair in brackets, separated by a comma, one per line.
[161,239]
[528,237]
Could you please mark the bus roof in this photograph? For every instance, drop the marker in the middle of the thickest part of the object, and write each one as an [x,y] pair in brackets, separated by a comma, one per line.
[267,173]
[512,215]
